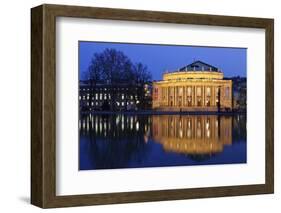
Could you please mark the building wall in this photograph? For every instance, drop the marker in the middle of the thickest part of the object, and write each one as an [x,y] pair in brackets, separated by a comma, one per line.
[192,74]
[176,95]
[114,97]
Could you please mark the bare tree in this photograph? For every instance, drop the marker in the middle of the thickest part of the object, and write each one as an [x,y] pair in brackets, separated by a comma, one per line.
[141,73]
[113,66]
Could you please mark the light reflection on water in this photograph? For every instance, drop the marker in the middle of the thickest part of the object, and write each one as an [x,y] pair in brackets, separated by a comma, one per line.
[134,141]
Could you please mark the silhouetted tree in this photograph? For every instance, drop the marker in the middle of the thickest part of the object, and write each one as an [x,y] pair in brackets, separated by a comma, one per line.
[141,73]
[112,66]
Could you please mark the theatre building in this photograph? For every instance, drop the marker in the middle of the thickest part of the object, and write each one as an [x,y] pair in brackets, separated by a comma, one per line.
[195,87]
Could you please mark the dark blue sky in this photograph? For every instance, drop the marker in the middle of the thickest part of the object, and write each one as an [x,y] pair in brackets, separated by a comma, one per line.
[158,58]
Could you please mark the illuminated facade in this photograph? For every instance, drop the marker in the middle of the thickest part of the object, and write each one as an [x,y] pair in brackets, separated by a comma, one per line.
[195,87]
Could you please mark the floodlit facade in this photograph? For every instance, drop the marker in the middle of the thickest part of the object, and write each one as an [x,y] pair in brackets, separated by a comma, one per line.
[195,87]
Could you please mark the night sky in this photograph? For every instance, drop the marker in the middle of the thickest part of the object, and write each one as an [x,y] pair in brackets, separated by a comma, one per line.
[158,58]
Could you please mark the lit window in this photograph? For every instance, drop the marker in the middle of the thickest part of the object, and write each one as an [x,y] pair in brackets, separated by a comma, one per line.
[199,91]
[180,91]
[188,91]
[208,91]
[217,91]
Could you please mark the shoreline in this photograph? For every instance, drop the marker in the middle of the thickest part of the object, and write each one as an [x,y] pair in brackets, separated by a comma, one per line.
[151,112]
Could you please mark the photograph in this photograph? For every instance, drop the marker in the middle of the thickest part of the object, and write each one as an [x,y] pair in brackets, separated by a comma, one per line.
[143,105]
[155,105]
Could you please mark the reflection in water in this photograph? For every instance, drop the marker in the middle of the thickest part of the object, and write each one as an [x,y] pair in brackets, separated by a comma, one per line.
[132,141]
[192,135]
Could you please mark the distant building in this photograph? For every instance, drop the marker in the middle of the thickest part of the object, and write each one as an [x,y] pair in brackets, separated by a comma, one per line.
[239,93]
[113,97]
[195,87]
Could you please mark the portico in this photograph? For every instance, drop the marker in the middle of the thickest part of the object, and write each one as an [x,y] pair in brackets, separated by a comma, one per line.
[197,86]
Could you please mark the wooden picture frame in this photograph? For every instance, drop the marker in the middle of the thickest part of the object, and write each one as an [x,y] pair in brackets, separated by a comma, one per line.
[43,105]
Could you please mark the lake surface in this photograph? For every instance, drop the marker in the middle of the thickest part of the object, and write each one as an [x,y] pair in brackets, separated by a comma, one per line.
[137,141]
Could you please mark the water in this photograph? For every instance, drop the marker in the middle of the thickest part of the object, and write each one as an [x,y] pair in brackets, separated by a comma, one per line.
[136,141]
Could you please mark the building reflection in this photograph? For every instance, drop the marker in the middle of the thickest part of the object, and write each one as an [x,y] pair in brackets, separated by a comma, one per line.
[121,141]
[200,134]
[114,141]
[117,126]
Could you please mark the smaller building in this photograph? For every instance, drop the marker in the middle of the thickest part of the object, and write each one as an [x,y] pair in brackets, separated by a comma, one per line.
[113,97]
[239,93]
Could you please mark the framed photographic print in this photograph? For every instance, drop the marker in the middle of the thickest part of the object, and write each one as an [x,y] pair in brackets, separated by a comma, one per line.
[135,106]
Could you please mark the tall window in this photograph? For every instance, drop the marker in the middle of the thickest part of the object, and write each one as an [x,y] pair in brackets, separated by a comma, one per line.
[208,91]
[199,93]
[180,91]
[189,91]
[189,96]
[217,95]
[208,95]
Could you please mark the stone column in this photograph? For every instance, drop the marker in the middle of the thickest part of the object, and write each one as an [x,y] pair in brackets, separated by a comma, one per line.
[167,96]
[194,92]
[170,93]
[177,96]
[193,96]
[203,96]
[183,95]
[174,104]
[175,91]
[213,96]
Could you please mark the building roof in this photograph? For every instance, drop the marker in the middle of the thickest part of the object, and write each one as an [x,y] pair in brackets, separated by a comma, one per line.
[199,66]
